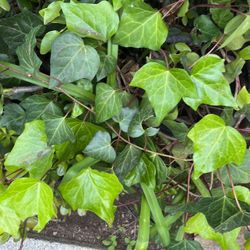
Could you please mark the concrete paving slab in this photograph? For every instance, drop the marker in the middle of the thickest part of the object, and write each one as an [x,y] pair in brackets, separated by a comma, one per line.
[35,244]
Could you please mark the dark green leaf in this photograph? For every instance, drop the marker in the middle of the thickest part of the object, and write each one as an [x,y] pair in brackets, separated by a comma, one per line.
[107,66]
[221,16]
[13,117]
[72,60]
[100,147]
[185,245]
[94,191]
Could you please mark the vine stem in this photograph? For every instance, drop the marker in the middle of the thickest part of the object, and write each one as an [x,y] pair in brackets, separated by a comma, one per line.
[201,187]
[144,226]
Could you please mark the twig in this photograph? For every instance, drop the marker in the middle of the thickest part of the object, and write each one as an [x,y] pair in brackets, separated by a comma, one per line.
[221,183]
[19,90]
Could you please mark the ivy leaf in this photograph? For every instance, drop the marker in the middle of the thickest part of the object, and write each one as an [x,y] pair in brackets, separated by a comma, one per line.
[228,145]
[167,85]
[38,107]
[198,225]
[141,27]
[31,151]
[100,147]
[9,221]
[48,40]
[240,174]
[29,197]
[126,161]
[4,5]
[98,21]
[245,53]
[72,60]
[51,12]
[107,66]
[221,16]
[83,133]
[185,245]
[58,131]
[108,102]
[212,87]
[242,193]
[27,57]
[235,28]
[94,191]
[243,97]
[222,213]
[13,117]
[14,35]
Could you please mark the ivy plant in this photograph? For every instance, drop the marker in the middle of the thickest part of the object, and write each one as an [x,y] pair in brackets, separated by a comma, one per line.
[101,98]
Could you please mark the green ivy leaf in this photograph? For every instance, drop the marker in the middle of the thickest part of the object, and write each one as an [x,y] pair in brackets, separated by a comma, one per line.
[58,131]
[98,21]
[243,97]
[83,132]
[126,161]
[221,16]
[51,12]
[107,66]
[245,53]
[48,40]
[222,213]
[240,174]
[185,245]
[141,27]
[27,57]
[198,225]
[94,191]
[29,197]
[4,5]
[242,193]
[38,107]
[31,151]
[72,60]
[212,87]
[100,147]
[228,145]
[108,102]
[167,85]
[13,117]
[235,28]
[14,35]
[9,221]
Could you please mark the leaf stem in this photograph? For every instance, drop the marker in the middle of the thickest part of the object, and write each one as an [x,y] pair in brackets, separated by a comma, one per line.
[157,214]
[112,51]
[201,187]
[144,226]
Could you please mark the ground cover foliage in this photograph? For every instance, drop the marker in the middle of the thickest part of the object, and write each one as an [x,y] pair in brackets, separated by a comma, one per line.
[146,97]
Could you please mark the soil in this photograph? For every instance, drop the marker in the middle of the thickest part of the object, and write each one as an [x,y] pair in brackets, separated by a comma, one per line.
[90,231]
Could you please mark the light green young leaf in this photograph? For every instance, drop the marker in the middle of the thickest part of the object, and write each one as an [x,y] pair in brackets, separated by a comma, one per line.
[183,9]
[167,85]
[228,145]
[126,161]
[58,131]
[141,27]
[100,147]
[243,97]
[4,5]
[83,132]
[211,85]
[51,12]
[245,53]
[117,4]
[26,54]
[31,151]
[242,193]
[48,40]
[108,102]
[198,225]
[72,60]
[9,221]
[185,245]
[38,106]
[240,174]
[93,191]
[29,197]
[13,117]
[98,21]
[235,28]
[14,35]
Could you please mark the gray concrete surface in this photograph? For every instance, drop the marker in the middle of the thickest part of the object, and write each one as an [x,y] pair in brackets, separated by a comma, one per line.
[34,244]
